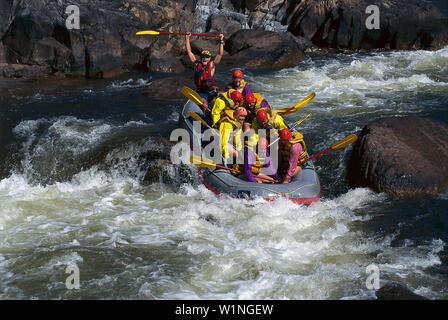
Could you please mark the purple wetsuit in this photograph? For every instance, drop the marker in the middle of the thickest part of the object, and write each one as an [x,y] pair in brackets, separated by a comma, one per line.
[250,159]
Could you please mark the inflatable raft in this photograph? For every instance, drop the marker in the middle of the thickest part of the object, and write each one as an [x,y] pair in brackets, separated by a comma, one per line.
[304,188]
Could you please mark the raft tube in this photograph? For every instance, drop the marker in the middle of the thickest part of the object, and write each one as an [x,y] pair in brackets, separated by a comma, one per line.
[304,187]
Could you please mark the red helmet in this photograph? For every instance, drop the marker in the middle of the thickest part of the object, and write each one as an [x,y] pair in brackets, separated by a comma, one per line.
[263,143]
[285,134]
[262,115]
[238,74]
[249,98]
[240,111]
[236,96]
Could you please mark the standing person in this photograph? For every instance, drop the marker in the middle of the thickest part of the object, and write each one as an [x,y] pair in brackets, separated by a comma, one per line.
[204,76]
[238,83]
[292,150]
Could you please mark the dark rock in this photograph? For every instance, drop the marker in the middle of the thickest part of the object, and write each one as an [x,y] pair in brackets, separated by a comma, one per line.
[34,33]
[2,53]
[341,24]
[19,70]
[160,62]
[264,49]
[225,24]
[396,291]
[168,88]
[210,44]
[401,156]
[51,53]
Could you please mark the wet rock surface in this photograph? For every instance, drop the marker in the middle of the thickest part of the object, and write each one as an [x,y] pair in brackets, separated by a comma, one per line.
[263,49]
[342,24]
[401,156]
[34,34]
[397,291]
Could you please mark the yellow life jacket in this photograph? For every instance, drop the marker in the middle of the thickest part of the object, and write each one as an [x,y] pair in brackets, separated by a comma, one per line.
[259,161]
[230,104]
[227,115]
[285,148]
[260,99]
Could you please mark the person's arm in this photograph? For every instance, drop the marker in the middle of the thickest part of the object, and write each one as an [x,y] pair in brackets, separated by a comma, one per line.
[218,106]
[294,155]
[187,44]
[237,139]
[221,50]
[225,130]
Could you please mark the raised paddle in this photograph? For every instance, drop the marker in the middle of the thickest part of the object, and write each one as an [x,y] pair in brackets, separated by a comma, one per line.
[293,127]
[288,110]
[337,145]
[154,33]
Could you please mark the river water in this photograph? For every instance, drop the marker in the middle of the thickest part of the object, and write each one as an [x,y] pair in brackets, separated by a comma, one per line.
[73,192]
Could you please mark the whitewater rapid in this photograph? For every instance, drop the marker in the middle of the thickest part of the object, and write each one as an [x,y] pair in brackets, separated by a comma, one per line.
[137,240]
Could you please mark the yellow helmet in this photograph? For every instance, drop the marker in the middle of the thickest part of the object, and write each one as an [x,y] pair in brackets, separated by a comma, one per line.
[206,53]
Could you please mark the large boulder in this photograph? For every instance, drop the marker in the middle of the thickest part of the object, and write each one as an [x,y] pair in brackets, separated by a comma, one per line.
[401,156]
[396,291]
[410,24]
[168,88]
[34,33]
[263,49]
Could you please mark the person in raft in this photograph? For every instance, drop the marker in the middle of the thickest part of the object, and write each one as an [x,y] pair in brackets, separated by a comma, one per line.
[230,126]
[253,102]
[204,76]
[253,162]
[238,83]
[268,119]
[292,150]
[229,100]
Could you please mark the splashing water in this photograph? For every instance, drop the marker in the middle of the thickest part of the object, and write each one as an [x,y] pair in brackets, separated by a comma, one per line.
[76,194]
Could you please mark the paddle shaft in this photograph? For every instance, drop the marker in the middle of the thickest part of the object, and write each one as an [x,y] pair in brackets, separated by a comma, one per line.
[318,154]
[193,34]
[292,128]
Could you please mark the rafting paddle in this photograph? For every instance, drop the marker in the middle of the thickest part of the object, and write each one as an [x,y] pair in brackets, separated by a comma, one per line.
[288,110]
[154,33]
[207,163]
[337,145]
[292,128]
[197,117]
[192,95]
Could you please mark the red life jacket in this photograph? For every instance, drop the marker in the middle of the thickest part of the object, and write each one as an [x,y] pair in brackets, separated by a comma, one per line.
[203,74]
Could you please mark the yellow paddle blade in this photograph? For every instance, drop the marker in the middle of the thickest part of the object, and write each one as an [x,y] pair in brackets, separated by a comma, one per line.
[206,163]
[196,117]
[344,142]
[303,119]
[192,95]
[147,32]
[297,105]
